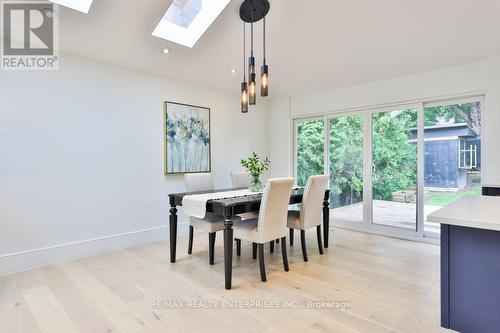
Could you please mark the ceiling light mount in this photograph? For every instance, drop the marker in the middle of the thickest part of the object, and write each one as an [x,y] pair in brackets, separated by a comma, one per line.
[252,11]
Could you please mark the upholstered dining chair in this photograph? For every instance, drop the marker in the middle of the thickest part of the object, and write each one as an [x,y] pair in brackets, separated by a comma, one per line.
[271,223]
[240,179]
[211,223]
[309,215]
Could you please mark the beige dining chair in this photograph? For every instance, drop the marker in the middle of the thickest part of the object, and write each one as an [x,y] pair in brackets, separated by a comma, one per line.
[240,179]
[309,215]
[211,223]
[271,223]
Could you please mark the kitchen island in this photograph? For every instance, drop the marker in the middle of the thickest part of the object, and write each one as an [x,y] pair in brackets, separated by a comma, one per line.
[470,264]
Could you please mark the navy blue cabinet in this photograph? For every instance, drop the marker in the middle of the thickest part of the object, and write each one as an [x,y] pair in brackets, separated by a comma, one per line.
[470,275]
[491,191]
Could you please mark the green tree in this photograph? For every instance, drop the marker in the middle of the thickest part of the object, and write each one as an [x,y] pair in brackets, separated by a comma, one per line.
[310,149]
[394,158]
[346,160]
[469,113]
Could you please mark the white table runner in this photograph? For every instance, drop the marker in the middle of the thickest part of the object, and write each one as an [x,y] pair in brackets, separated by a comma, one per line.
[196,205]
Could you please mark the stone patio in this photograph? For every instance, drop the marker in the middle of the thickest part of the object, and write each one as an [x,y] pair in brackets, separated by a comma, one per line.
[395,214]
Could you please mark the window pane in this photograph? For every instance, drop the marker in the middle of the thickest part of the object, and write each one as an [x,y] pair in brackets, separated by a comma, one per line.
[310,148]
[346,168]
[452,157]
[394,156]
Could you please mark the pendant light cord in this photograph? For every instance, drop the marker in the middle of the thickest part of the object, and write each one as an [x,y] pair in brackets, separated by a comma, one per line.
[244,53]
[264,39]
[251,29]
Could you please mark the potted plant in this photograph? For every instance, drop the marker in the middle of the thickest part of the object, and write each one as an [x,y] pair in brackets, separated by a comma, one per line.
[255,167]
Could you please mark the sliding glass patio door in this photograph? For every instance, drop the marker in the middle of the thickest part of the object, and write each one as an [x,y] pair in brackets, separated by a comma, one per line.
[394,178]
[372,163]
[346,168]
[452,155]
[390,167]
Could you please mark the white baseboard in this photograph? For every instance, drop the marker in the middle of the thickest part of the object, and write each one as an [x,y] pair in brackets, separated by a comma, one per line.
[26,260]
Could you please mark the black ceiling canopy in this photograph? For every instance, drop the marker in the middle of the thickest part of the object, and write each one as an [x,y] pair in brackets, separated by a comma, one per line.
[254,10]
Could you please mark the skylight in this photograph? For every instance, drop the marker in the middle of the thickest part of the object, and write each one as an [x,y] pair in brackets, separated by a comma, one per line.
[80,5]
[187,20]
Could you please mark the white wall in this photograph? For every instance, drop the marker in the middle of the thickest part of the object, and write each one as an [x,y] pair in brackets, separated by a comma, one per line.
[81,158]
[280,133]
[463,80]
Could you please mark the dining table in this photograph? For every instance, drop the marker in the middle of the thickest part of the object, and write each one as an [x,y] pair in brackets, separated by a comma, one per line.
[228,208]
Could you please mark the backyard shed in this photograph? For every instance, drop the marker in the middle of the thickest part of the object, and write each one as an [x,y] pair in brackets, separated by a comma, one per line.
[452,153]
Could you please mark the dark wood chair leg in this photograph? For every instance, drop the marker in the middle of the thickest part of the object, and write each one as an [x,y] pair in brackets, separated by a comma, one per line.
[278,241]
[261,263]
[291,237]
[283,253]
[211,247]
[326,218]
[238,247]
[303,243]
[173,230]
[320,244]
[271,244]
[190,244]
[254,250]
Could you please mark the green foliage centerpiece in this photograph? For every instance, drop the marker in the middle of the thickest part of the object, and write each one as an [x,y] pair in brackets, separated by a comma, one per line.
[255,168]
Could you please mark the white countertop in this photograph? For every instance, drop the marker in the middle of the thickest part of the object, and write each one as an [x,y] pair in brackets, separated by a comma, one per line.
[481,212]
[491,184]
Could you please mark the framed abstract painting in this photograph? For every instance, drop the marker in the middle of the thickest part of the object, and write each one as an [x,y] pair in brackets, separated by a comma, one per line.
[187,138]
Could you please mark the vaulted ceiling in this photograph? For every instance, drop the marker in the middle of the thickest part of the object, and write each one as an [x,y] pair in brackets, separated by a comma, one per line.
[313,45]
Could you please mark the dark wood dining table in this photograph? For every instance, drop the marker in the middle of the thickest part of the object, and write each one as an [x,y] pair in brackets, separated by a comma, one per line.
[229,207]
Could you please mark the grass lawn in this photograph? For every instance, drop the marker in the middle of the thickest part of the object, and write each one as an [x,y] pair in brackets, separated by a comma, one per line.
[445,198]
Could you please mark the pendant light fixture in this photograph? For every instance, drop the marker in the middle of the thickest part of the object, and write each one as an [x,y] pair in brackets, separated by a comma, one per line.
[244,86]
[252,11]
[252,86]
[264,78]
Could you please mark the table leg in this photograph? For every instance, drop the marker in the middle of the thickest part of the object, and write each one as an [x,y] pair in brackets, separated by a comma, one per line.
[228,252]
[173,232]
[326,219]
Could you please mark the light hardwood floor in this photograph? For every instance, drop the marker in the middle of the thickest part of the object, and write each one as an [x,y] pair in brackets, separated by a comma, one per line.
[391,285]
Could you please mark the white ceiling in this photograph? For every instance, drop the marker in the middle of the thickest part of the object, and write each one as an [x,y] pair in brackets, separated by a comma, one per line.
[313,45]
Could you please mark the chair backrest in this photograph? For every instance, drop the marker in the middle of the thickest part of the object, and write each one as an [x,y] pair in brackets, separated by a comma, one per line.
[312,202]
[240,179]
[198,182]
[274,209]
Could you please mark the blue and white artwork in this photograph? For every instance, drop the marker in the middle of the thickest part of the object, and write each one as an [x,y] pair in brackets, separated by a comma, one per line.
[187,132]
